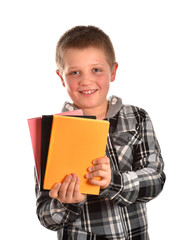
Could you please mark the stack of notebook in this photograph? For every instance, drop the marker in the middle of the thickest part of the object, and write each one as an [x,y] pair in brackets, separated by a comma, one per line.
[67,143]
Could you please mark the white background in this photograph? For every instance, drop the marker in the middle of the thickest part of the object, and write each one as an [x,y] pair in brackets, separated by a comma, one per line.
[147,36]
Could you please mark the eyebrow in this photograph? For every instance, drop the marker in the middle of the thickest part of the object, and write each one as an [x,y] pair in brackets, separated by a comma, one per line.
[93,64]
[72,68]
[97,63]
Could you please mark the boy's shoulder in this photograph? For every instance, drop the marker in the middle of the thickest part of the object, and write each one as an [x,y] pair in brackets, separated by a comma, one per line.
[125,117]
[116,107]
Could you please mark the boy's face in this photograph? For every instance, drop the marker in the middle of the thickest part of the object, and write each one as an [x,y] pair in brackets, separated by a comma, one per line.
[87,76]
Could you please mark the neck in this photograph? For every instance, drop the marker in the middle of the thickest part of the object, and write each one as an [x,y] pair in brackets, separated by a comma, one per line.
[100,114]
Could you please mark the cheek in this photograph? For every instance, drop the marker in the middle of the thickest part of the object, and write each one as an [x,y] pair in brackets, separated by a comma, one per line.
[104,83]
[71,85]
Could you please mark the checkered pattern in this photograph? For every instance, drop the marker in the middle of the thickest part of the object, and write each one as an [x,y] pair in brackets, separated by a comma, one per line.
[119,212]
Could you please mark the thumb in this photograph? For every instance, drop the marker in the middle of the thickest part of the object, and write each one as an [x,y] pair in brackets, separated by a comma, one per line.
[54,191]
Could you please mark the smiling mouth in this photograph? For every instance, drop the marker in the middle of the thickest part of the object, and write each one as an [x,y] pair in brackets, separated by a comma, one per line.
[88,92]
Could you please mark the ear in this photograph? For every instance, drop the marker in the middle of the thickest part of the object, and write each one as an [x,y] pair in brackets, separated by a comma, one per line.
[113,73]
[62,80]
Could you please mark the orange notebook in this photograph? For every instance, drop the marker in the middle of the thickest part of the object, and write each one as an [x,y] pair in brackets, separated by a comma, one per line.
[74,144]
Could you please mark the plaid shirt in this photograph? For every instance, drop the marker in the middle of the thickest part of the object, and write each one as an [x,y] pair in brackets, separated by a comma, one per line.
[119,212]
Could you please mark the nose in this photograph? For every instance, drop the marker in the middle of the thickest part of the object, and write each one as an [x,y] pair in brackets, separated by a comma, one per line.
[86,79]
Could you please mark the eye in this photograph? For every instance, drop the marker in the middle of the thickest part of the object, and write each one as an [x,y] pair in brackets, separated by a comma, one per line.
[96,70]
[74,73]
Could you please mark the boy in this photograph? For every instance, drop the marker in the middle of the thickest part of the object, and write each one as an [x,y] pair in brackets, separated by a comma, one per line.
[132,170]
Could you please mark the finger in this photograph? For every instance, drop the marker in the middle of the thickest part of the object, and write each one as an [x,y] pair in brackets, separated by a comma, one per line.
[103,183]
[53,193]
[76,192]
[71,187]
[105,160]
[64,186]
[99,173]
[103,167]
[97,183]
[77,186]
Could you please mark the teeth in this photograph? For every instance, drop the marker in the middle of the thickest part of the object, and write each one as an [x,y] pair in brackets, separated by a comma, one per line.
[88,92]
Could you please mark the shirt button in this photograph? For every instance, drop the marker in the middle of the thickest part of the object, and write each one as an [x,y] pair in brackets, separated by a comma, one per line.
[69,107]
[114,101]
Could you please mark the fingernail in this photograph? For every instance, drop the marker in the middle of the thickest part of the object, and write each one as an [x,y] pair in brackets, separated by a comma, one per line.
[88,176]
[68,177]
[90,169]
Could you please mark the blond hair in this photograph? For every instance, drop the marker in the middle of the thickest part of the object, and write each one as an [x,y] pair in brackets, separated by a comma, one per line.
[82,37]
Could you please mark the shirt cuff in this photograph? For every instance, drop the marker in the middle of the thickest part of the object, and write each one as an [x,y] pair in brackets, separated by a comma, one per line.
[65,212]
[115,186]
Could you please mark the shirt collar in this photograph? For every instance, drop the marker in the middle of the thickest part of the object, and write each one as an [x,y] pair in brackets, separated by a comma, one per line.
[115,104]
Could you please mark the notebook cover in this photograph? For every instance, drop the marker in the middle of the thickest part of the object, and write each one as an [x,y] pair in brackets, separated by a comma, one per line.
[46,132]
[35,129]
[74,144]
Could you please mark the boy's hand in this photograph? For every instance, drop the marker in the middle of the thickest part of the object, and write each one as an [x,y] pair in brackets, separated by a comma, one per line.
[68,191]
[101,168]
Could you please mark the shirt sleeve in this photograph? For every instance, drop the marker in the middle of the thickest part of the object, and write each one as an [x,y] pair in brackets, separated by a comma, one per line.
[147,178]
[53,214]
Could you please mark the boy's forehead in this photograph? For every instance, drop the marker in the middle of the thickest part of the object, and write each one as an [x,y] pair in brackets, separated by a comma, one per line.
[92,54]
[98,50]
